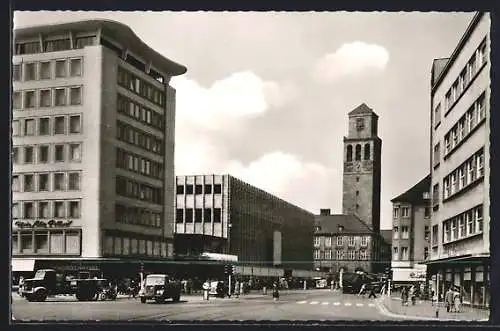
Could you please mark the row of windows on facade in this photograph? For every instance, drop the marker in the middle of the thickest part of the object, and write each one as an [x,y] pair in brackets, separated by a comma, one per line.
[64,44]
[357,156]
[341,255]
[462,129]
[139,138]
[351,240]
[199,189]
[405,233]
[466,174]
[405,211]
[402,253]
[139,164]
[53,45]
[463,225]
[134,246]
[465,125]
[139,112]
[70,152]
[140,87]
[44,242]
[459,179]
[468,73]
[140,191]
[41,70]
[200,215]
[46,126]
[137,216]
[47,97]
[41,182]
[46,209]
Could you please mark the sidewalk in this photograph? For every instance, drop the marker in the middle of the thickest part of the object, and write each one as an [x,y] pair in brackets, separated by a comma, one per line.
[425,310]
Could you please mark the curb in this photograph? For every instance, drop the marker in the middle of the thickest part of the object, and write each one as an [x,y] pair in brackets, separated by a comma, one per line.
[380,304]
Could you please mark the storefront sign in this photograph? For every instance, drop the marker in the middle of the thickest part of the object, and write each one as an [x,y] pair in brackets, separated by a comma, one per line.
[42,224]
[417,275]
[409,274]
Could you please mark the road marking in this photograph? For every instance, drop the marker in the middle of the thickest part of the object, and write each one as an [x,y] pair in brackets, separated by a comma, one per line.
[301,302]
[371,305]
[336,303]
[347,304]
[314,302]
[325,303]
[359,305]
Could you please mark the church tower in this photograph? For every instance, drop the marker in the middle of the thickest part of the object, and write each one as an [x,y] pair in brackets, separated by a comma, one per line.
[362,153]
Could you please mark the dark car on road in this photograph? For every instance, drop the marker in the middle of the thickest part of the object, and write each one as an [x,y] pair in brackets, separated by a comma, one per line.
[160,287]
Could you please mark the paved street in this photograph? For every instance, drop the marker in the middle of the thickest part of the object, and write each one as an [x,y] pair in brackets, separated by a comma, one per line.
[323,305]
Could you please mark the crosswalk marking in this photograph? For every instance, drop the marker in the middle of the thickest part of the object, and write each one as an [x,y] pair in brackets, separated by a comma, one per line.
[326,303]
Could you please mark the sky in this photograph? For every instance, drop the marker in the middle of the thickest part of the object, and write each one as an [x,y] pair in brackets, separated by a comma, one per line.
[266,95]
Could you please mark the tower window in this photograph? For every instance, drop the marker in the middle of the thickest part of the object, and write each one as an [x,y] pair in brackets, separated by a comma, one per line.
[357,193]
[358,152]
[367,151]
[357,179]
[349,153]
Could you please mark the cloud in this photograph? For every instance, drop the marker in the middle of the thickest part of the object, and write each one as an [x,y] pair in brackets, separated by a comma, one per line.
[230,100]
[351,59]
[309,185]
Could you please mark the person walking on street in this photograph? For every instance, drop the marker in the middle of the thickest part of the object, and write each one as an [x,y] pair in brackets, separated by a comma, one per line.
[362,290]
[412,295]
[448,298]
[404,296]
[456,300]
[372,292]
[276,293]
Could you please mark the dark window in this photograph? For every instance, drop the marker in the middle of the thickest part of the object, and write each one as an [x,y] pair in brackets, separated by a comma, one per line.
[208,189]
[189,215]
[198,214]
[217,188]
[349,153]
[357,193]
[28,48]
[179,215]
[111,46]
[357,179]
[16,72]
[358,152]
[427,212]
[367,151]
[189,189]
[198,189]
[136,63]
[180,189]
[217,215]
[208,215]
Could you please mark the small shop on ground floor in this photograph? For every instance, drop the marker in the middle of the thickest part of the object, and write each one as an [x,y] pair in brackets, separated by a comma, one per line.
[469,273]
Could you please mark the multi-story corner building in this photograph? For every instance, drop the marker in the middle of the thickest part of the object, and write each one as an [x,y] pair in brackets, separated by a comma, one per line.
[222,214]
[460,172]
[345,242]
[411,233]
[93,147]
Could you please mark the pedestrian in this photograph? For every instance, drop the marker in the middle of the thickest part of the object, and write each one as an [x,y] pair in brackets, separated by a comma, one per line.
[237,286]
[404,296]
[448,298]
[433,297]
[372,292]
[412,295]
[362,290]
[276,293]
[456,300]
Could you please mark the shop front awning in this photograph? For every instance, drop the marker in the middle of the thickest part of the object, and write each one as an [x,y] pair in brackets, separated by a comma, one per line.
[19,265]
[468,258]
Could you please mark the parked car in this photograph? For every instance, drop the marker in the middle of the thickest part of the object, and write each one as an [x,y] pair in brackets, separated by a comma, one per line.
[160,287]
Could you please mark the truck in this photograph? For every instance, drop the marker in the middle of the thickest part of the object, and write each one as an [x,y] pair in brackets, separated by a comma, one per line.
[160,287]
[47,282]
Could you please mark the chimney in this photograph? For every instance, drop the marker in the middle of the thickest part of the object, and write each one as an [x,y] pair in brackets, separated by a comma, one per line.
[325,212]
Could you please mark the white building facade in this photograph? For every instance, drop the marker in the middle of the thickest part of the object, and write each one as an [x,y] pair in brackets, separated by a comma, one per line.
[460,171]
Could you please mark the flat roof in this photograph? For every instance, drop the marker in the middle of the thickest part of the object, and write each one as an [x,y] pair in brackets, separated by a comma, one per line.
[116,30]
[460,45]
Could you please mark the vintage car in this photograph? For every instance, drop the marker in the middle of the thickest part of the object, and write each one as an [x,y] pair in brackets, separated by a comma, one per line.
[160,287]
